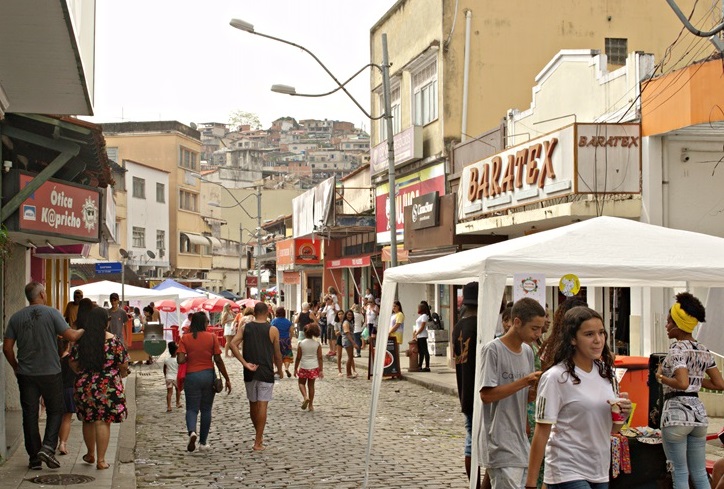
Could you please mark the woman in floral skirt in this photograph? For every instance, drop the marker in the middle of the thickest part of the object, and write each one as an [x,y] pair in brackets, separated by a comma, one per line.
[101,360]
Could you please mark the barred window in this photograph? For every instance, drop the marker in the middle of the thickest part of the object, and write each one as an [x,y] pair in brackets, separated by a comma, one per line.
[139,237]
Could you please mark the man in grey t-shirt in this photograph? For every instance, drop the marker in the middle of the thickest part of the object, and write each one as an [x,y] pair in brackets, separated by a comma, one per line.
[34,329]
[508,373]
[118,318]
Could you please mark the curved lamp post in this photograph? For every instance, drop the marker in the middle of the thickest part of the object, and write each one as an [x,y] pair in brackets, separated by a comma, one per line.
[387,115]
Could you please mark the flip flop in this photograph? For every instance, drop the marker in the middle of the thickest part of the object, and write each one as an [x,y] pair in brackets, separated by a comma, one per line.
[260,449]
[168,410]
[89,459]
[305,404]
[102,466]
[63,449]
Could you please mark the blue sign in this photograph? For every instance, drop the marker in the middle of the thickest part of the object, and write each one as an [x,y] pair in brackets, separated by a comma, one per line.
[108,267]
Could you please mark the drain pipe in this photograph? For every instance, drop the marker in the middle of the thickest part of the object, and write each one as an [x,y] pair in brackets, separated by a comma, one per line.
[466,74]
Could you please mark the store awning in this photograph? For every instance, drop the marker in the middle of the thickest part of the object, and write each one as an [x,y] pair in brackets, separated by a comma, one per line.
[416,256]
[349,262]
[196,239]
[215,242]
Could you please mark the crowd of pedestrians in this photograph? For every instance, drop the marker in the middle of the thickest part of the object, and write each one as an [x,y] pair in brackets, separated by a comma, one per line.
[548,397]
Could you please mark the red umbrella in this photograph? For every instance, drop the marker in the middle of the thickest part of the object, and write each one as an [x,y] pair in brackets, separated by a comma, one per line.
[247,302]
[217,304]
[192,304]
[166,305]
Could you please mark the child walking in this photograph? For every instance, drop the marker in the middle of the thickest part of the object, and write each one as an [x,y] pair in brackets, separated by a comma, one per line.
[308,365]
[170,371]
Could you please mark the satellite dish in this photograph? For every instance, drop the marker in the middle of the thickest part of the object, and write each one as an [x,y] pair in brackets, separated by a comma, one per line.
[151,254]
[123,253]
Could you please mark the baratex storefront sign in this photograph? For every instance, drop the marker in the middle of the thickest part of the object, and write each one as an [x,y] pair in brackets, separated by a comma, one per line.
[425,211]
[577,159]
[55,209]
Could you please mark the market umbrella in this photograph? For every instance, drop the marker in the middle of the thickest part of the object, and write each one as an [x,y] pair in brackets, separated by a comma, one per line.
[193,304]
[247,302]
[217,304]
[166,305]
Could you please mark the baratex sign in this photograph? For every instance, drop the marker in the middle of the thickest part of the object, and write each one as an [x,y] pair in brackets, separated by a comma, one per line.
[425,211]
[577,159]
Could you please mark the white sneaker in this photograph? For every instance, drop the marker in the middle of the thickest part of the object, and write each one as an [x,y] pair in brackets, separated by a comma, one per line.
[192,442]
[204,448]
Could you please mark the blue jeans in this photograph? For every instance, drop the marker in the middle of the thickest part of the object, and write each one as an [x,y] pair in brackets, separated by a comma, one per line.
[358,340]
[685,448]
[32,388]
[579,485]
[198,388]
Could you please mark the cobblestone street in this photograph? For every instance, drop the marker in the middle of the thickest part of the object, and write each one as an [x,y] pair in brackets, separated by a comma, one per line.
[418,441]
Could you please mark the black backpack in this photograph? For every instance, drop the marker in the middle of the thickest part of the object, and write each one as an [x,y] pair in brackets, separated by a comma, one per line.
[436,321]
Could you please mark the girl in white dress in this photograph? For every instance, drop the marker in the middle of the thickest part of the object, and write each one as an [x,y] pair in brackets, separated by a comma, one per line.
[308,366]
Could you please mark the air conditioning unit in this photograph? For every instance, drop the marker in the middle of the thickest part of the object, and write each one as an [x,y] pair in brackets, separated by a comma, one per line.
[161,253]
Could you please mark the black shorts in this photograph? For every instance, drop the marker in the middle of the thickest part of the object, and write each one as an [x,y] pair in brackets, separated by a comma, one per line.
[339,340]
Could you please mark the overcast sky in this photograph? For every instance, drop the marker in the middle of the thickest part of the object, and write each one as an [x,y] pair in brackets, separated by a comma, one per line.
[181,60]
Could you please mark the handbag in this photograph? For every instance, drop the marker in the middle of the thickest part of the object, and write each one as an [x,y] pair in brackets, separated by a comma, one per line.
[181,376]
[218,383]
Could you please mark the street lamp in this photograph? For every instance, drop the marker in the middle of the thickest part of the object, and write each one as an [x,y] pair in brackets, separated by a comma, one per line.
[385,70]
[239,203]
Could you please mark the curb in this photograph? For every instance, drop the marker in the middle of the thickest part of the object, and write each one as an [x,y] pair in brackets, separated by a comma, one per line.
[124,476]
[421,380]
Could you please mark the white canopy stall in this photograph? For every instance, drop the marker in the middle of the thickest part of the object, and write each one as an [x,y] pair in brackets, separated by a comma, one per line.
[604,251]
[100,292]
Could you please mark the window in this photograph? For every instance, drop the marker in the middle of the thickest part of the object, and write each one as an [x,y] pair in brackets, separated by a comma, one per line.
[112,154]
[396,114]
[139,188]
[160,193]
[188,201]
[139,237]
[160,240]
[424,97]
[616,50]
[187,159]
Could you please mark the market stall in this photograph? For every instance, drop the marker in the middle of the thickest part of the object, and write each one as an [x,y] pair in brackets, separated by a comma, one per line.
[602,251]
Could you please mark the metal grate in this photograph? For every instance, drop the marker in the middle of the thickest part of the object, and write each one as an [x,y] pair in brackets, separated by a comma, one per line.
[61,479]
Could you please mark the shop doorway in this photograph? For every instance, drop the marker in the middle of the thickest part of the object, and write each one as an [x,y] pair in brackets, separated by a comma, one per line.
[314,290]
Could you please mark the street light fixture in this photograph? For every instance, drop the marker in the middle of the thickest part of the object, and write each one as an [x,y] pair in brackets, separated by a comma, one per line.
[387,115]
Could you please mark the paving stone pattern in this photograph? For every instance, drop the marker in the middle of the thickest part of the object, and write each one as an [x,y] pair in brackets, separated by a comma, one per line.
[418,442]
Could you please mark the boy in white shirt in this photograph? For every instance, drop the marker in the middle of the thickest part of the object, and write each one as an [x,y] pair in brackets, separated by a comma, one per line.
[170,371]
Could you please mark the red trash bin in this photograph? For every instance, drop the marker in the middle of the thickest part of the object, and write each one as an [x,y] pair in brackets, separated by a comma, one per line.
[635,382]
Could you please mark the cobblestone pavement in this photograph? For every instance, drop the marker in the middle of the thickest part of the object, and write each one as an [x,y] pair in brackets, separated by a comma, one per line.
[418,441]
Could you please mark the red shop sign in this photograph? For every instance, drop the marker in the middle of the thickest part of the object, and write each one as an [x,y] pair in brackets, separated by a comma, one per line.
[59,209]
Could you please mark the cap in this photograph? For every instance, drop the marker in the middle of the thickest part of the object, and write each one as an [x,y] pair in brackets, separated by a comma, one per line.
[377,301]
[470,294]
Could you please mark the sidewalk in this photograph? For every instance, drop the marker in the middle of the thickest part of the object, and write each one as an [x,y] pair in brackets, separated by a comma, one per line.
[15,474]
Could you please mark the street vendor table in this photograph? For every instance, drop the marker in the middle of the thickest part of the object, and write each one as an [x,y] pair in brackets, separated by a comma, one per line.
[648,468]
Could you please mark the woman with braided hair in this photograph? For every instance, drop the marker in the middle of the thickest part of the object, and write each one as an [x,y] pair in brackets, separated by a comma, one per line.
[682,373]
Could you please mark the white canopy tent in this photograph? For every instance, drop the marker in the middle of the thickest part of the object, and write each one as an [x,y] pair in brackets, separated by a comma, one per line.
[604,251]
[100,292]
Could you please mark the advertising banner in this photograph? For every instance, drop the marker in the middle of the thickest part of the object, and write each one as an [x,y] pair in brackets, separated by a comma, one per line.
[425,181]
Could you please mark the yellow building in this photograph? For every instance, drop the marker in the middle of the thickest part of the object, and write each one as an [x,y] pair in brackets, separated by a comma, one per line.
[508,44]
[172,147]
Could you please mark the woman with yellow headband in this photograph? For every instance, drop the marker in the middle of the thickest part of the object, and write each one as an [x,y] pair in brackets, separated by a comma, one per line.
[682,373]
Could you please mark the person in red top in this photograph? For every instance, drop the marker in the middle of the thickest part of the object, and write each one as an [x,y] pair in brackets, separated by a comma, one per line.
[199,350]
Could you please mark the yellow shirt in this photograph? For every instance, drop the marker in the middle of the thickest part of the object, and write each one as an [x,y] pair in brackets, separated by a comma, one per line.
[398,318]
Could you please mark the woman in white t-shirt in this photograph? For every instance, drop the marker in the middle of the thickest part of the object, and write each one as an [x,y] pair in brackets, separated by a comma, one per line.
[309,366]
[420,334]
[576,399]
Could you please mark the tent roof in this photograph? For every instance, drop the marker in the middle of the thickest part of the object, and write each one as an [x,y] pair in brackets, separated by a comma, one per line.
[172,283]
[603,251]
[100,291]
